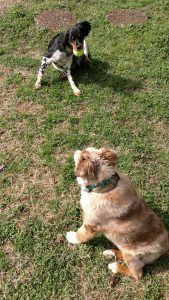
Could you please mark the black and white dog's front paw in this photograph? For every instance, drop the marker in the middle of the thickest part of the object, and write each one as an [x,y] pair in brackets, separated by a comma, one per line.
[37,86]
[76,91]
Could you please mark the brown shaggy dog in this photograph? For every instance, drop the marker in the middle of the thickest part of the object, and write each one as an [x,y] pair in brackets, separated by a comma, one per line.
[112,206]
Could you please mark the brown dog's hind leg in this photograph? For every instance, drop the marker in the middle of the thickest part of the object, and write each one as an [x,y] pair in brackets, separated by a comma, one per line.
[133,269]
[113,252]
[135,264]
[118,268]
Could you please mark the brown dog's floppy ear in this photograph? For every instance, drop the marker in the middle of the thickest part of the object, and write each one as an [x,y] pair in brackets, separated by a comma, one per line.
[108,155]
[86,168]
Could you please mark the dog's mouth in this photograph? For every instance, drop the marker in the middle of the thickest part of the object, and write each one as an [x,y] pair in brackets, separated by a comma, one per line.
[75,46]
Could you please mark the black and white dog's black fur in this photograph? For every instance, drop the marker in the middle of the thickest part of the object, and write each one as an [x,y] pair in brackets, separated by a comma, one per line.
[60,53]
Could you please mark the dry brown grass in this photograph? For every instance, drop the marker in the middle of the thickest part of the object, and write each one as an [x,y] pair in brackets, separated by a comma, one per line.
[32,108]
[161,136]
[21,268]
[5,4]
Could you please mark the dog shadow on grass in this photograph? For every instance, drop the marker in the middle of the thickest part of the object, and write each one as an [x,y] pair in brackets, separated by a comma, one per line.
[98,72]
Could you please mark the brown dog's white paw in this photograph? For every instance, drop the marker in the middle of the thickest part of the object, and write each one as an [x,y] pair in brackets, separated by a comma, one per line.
[113,267]
[109,253]
[37,86]
[71,237]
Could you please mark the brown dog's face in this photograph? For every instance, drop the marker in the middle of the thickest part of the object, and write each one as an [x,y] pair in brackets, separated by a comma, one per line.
[93,165]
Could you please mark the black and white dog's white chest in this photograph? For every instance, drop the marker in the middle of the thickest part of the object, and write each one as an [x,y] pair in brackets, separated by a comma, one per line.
[62,60]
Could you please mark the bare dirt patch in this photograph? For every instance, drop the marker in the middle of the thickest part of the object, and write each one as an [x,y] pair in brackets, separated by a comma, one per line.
[55,19]
[9,143]
[124,17]
[31,108]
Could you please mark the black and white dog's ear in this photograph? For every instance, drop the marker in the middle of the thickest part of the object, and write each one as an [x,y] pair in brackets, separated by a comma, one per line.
[66,38]
[85,27]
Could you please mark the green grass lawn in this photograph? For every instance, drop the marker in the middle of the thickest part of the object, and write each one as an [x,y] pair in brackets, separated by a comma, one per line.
[124,104]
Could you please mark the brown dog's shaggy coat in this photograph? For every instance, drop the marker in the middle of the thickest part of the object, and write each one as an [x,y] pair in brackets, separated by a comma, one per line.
[112,206]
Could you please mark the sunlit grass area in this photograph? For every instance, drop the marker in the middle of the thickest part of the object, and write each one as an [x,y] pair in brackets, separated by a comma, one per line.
[123,104]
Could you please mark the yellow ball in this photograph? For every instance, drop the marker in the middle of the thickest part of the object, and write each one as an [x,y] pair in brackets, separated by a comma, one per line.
[78,53]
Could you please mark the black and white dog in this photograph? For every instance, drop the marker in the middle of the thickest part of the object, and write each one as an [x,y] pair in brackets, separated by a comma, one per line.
[60,53]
